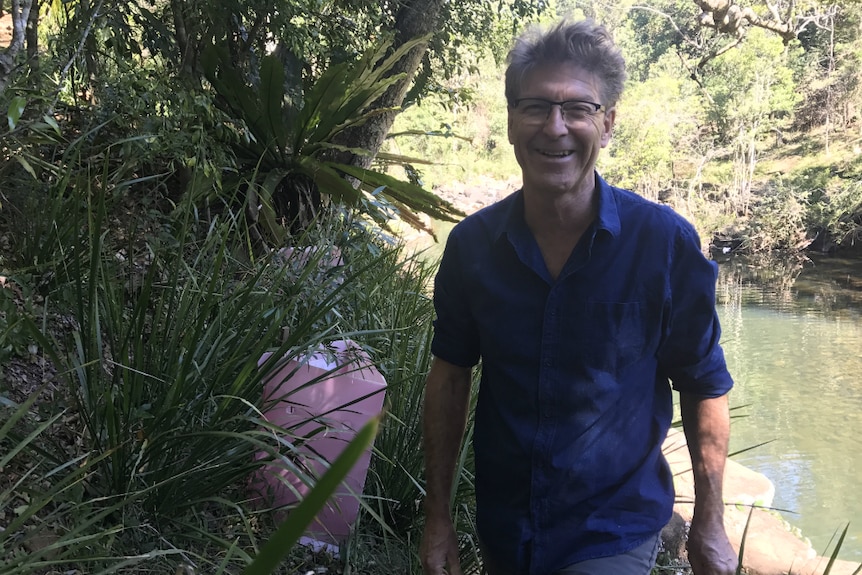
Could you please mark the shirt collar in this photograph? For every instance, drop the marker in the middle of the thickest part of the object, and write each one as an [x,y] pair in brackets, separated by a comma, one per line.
[608,217]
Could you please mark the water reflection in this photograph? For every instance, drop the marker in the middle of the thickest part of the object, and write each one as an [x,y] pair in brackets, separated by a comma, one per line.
[793,339]
[799,284]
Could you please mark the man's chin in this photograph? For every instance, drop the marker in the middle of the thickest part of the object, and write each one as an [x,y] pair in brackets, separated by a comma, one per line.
[556,186]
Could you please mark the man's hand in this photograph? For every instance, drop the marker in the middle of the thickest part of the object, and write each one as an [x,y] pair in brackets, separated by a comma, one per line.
[709,551]
[439,549]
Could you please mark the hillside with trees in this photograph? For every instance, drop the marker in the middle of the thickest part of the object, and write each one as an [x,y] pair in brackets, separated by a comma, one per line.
[187,186]
[753,133]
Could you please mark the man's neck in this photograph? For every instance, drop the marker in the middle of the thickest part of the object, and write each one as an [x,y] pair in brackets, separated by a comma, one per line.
[558,222]
[563,214]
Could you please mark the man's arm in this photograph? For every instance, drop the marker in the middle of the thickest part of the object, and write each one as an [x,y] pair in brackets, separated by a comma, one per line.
[707,431]
[447,400]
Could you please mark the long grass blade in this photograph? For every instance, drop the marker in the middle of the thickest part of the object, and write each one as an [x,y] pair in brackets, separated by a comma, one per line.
[739,569]
[838,545]
[290,531]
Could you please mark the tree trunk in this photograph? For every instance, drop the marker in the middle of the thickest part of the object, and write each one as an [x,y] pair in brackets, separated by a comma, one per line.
[415,18]
[20,16]
[32,36]
[187,55]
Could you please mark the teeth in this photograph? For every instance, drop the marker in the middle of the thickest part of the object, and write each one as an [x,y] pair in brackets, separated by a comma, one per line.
[557,154]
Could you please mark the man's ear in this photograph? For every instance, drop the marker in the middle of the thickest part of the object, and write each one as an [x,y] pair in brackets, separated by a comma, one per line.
[510,120]
[608,125]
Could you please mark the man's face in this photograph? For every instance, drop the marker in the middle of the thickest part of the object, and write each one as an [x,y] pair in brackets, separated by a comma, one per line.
[557,156]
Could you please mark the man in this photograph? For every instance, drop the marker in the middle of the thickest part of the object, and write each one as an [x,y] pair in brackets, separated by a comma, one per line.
[583,302]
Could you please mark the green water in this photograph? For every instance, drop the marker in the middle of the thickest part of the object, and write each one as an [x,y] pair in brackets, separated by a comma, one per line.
[792,334]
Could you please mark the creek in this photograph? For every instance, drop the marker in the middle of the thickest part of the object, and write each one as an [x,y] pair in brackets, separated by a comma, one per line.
[792,335]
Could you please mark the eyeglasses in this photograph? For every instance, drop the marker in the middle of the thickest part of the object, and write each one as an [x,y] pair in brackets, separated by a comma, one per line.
[535,111]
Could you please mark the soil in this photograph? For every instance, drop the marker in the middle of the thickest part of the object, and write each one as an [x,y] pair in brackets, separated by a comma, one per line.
[5,30]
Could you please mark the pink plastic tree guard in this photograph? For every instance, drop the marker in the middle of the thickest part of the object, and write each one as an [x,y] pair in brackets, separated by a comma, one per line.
[327,397]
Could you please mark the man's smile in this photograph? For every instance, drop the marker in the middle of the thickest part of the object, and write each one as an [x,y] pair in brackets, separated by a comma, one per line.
[556,153]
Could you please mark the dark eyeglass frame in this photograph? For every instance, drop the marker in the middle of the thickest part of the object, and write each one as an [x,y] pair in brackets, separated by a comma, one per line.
[561,104]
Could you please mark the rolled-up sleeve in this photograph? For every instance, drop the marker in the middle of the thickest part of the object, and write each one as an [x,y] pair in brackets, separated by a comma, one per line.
[690,354]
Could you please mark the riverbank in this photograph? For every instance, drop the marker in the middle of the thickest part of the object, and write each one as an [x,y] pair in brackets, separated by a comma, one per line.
[772,545]
[483,191]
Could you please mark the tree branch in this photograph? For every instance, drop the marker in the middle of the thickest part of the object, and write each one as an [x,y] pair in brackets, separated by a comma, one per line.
[716,53]
[729,18]
[20,15]
[669,18]
[77,53]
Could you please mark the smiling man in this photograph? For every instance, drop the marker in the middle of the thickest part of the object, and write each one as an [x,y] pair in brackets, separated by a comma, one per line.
[587,305]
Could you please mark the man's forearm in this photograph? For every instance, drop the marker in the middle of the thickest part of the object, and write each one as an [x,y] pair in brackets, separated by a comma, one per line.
[447,400]
[707,431]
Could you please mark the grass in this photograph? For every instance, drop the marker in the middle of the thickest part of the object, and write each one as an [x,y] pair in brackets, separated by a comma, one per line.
[161,374]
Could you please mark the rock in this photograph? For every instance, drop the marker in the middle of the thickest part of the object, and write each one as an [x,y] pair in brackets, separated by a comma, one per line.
[771,547]
[478,193]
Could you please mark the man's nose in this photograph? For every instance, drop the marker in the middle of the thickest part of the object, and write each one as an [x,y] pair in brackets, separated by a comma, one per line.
[555,123]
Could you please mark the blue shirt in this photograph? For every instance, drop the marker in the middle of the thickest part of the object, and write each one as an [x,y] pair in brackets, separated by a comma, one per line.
[574,399]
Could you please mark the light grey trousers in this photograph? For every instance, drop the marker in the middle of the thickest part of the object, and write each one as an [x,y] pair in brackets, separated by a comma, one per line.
[638,561]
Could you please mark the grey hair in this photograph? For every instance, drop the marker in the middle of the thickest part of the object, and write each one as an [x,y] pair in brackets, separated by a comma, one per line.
[585,44]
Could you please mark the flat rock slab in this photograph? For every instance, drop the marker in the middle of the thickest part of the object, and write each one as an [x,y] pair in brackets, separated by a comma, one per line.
[771,548]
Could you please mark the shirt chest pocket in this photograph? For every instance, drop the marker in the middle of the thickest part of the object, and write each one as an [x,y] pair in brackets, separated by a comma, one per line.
[610,336]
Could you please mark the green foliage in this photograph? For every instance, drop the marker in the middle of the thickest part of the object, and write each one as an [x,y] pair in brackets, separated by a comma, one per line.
[827,71]
[171,127]
[837,213]
[778,221]
[14,318]
[52,524]
[655,122]
[148,136]
[467,139]
[288,142]
[750,85]
[166,362]
[311,35]
[162,368]
[652,32]
[44,493]
[479,24]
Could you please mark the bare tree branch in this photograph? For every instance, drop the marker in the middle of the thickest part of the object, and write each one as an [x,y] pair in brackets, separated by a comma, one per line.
[669,18]
[732,19]
[20,15]
[77,53]
[716,53]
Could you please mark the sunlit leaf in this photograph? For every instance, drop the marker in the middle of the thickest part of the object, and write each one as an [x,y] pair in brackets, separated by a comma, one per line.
[26,165]
[16,108]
